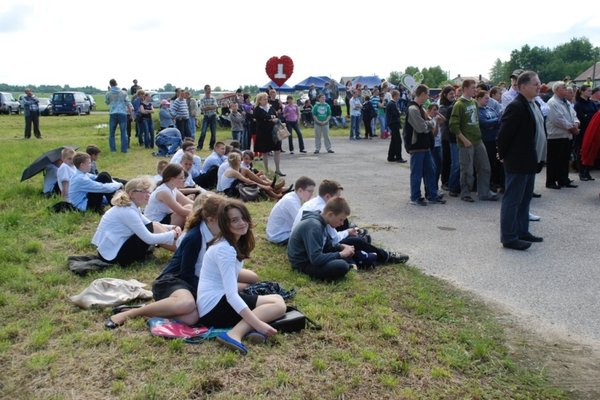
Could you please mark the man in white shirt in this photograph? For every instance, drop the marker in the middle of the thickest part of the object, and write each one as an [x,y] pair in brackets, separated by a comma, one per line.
[281,218]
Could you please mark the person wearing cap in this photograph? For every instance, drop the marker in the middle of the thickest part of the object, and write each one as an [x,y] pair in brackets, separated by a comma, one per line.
[134,89]
[165,116]
[512,92]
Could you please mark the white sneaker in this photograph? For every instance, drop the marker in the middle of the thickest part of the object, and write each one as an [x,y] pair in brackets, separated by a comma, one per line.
[533,217]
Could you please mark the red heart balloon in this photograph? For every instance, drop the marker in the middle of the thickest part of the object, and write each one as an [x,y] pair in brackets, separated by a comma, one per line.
[279,69]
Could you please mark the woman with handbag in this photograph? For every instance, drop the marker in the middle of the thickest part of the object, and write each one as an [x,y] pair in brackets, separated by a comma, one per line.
[232,181]
[266,118]
[219,302]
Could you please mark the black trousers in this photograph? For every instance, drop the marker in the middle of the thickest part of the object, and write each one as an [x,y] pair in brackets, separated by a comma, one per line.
[557,164]
[395,149]
[95,199]
[33,118]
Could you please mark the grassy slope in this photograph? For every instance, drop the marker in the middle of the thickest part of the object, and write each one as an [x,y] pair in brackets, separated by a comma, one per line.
[390,333]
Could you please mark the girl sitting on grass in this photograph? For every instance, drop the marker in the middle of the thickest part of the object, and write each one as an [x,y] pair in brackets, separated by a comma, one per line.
[124,234]
[174,290]
[219,302]
[167,204]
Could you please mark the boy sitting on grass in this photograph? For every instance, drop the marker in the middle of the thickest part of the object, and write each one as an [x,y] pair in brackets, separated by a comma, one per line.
[87,191]
[310,248]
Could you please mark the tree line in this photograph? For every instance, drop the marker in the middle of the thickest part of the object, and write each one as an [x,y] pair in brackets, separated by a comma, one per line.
[567,59]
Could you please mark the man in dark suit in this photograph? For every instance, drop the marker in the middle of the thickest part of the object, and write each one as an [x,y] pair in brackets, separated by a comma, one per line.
[522,148]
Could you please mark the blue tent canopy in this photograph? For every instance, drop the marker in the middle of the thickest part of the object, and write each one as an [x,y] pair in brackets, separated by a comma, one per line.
[318,81]
[285,88]
[370,81]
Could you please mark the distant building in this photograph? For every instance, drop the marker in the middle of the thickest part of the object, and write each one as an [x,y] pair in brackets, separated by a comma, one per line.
[583,77]
[459,79]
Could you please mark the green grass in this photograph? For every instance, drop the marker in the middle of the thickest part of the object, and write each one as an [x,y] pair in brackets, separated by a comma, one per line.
[390,333]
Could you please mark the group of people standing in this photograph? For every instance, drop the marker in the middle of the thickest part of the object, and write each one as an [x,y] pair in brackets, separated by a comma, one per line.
[499,140]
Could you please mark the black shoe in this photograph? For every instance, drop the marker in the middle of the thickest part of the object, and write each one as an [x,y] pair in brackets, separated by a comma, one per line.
[330,151]
[302,151]
[530,238]
[552,186]
[584,178]
[569,185]
[279,173]
[536,195]
[396,258]
[401,161]
[110,324]
[517,245]
[274,181]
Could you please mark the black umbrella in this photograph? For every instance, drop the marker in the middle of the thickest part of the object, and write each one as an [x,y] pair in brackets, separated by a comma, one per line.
[43,161]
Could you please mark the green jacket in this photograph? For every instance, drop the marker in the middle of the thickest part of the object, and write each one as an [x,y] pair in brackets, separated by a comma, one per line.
[465,119]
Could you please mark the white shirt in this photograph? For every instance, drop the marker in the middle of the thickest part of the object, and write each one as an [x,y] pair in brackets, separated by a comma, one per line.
[156,210]
[281,218]
[121,223]
[196,166]
[318,204]
[65,173]
[224,182]
[222,168]
[218,278]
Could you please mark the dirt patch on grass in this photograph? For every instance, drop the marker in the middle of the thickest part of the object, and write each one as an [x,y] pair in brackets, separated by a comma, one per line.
[569,365]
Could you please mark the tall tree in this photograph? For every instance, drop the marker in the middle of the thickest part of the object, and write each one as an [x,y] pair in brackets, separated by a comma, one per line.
[434,76]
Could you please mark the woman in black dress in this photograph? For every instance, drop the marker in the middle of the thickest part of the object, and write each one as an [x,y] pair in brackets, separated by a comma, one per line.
[266,119]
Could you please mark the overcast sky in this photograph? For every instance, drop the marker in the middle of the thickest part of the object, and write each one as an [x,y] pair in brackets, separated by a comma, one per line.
[227,43]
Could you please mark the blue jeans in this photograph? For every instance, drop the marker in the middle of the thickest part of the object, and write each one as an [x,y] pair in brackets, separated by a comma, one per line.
[382,123]
[192,123]
[339,121]
[421,167]
[294,125]
[147,132]
[206,121]
[167,145]
[514,213]
[454,178]
[436,154]
[355,126]
[236,135]
[121,120]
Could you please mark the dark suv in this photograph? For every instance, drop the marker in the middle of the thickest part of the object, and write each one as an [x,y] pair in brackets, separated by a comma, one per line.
[71,103]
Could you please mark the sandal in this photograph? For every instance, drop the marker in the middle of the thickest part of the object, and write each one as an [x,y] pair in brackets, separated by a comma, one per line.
[255,337]
[232,344]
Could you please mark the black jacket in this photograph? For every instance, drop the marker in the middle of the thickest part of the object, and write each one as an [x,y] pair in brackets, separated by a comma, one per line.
[516,138]
[392,114]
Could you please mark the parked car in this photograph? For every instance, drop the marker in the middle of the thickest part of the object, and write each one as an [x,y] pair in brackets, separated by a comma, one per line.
[70,103]
[8,104]
[45,106]
[91,100]
[158,96]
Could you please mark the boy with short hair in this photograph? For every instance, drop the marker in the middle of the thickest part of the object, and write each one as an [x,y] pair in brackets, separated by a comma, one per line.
[160,167]
[310,248]
[94,152]
[86,191]
[65,172]
[281,218]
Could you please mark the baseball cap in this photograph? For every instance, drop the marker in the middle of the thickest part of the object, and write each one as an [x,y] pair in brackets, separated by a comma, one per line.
[516,73]
[164,102]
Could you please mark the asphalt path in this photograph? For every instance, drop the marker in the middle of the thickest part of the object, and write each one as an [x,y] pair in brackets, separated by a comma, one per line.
[553,287]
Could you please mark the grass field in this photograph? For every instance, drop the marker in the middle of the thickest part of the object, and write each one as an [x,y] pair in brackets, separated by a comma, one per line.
[391,333]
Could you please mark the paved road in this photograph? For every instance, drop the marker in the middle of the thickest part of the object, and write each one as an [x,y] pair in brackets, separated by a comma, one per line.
[553,286]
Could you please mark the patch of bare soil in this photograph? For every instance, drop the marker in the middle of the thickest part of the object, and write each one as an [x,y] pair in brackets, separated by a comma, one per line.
[570,365]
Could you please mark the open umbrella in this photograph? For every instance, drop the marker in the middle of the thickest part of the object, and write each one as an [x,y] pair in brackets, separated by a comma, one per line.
[43,161]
